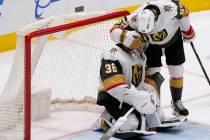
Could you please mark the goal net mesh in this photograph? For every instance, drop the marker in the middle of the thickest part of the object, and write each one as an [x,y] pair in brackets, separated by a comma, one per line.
[67,62]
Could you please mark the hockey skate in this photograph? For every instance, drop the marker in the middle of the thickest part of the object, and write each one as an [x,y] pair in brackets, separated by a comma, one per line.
[178,109]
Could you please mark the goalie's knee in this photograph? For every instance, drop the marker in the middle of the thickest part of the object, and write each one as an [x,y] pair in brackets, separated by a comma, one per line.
[131,124]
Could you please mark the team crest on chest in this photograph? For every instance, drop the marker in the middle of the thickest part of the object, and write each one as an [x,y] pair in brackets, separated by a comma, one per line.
[136,75]
[159,36]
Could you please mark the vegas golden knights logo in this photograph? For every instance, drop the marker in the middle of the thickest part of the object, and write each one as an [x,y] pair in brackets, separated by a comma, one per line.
[136,75]
[159,36]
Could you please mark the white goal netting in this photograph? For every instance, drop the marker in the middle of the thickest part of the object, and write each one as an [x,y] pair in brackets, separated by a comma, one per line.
[67,63]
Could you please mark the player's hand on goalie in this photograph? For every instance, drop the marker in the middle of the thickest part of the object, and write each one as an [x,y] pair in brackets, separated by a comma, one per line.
[130,39]
[133,40]
[188,36]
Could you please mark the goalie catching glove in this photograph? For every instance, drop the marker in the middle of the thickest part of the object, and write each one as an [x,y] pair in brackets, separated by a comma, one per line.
[143,101]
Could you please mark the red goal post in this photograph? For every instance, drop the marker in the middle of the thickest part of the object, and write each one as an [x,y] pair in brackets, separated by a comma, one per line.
[46,31]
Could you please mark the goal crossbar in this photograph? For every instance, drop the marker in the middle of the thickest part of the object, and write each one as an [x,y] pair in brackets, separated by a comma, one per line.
[27,57]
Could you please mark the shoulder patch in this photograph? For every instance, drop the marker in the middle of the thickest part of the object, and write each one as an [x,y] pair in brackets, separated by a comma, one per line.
[110,55]
[167,8]
[113,50]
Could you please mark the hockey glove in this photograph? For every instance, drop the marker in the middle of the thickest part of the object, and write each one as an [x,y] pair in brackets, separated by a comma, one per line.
[133,40]
[188,36]
[143,101]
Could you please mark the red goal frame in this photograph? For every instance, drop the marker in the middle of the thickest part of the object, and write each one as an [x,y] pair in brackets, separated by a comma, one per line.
[27,58]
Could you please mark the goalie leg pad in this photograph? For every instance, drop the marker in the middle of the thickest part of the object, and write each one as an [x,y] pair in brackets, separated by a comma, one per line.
[153,120]
[104,121]
[132,123]
[108,121]
[141,131]
[155,81]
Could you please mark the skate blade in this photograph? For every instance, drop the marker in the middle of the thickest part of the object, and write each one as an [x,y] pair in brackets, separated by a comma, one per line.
[181,117]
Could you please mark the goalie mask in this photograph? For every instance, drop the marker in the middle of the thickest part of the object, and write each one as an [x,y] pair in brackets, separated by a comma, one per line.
[146,21]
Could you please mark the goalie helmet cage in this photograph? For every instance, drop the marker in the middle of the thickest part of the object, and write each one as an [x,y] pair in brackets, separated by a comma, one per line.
[16,96]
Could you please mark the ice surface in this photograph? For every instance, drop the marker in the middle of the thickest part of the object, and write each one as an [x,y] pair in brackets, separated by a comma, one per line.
[196,93]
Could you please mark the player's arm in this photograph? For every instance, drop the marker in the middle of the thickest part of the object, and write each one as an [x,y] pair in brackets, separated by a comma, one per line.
[127,23]
[130,39]
[187,30]
[124,32]
[113,81]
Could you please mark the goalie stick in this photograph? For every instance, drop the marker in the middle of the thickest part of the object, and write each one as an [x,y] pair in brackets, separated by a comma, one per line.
[116,126]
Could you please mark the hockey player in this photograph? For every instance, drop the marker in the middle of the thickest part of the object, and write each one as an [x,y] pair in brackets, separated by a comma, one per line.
[165,23]
[122,86]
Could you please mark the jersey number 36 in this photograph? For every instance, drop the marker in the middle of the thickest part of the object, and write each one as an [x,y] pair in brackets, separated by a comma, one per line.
[110,68]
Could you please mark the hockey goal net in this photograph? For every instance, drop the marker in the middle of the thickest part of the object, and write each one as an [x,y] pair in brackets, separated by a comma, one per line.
[61,53]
